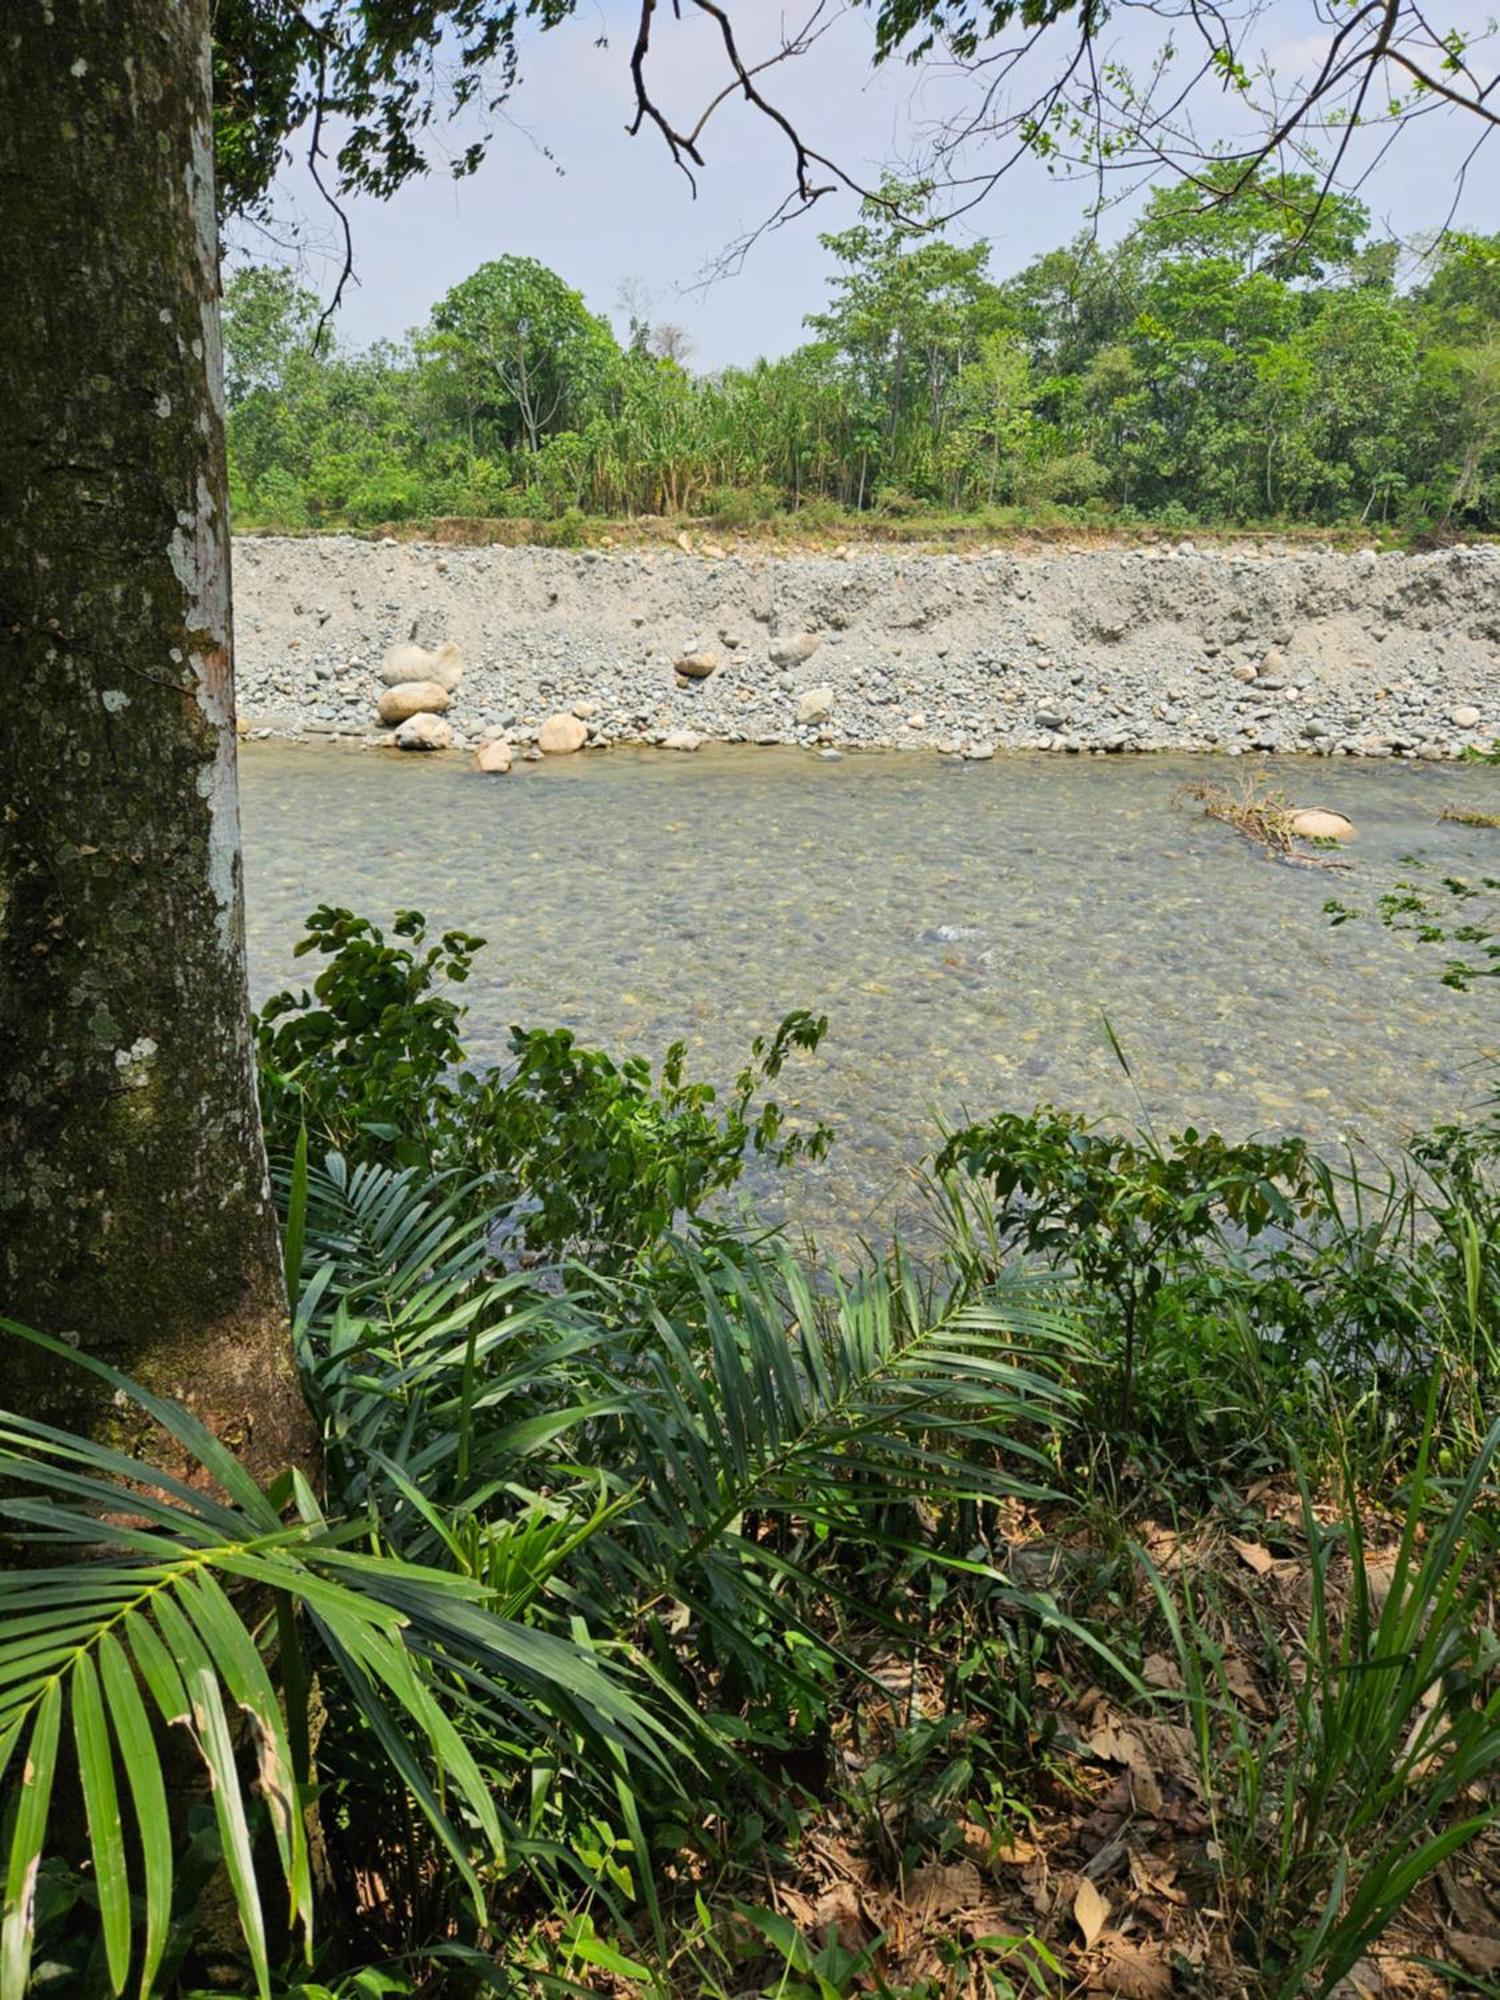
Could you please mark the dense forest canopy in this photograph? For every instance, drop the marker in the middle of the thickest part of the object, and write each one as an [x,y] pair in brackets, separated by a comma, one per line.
[1232,363]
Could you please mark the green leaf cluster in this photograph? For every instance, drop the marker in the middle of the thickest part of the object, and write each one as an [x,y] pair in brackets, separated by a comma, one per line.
[586,1154]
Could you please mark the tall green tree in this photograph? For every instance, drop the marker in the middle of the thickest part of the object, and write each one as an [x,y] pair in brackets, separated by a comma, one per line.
[1288,225]
[523,350]
[908,313]
[135,1213]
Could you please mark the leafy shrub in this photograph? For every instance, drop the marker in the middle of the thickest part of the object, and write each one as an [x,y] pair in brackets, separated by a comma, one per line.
[1174,517]
[1131,1217]
[898,505]
[570,530]
[279,500]
[1234,1286]
[592,1156]
[820,517]
[389,494]
[742,506]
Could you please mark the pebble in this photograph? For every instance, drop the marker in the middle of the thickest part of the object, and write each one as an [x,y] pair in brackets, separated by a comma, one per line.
[792,651]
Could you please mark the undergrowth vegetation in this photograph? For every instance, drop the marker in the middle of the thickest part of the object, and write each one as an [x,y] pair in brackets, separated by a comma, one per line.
[1097,1597]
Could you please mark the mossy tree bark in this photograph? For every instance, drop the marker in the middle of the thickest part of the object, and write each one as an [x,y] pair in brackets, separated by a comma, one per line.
[135,1215]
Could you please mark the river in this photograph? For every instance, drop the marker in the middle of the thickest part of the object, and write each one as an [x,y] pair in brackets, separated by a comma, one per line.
[968,928]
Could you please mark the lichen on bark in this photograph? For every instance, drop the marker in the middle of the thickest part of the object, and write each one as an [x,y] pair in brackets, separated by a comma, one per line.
[135,1214]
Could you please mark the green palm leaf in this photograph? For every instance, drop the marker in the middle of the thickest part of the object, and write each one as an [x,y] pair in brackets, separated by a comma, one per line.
[158,1612]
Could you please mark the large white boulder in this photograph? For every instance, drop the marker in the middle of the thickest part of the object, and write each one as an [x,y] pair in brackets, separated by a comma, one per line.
[794,648]
[560,735]
[413,698]
[410,662]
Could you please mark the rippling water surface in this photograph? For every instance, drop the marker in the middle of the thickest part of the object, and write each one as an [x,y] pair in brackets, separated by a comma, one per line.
[966,927]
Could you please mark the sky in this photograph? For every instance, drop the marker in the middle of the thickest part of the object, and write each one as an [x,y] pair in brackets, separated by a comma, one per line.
[563,182]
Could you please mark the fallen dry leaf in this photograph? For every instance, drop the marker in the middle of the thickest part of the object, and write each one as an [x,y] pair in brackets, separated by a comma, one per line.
[795,1905]
[1111,1859]
[1365,1981]
[1133,1971]
[1471,1908]
[1258,1558]
[1116,1745]
[1155,1875]
[1241,1684]
[1169,1746]
[838,1911]
[1475,1954]
[1090,1912]
[1159,1672]
[1146,1791]
[1380,1574]
[938,1890]
[1015,1853]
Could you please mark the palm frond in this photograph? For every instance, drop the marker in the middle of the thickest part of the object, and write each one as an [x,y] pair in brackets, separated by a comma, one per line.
[810,1412]
[159,1625]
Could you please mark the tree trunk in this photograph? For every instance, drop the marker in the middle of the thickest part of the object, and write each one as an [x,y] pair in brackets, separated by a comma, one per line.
[135,1215]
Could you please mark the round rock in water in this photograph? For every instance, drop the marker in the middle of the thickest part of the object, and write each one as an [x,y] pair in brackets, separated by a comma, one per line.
[425,732]
[494,756]
[560,735]
[681,739]
[1318,823]
[413,698]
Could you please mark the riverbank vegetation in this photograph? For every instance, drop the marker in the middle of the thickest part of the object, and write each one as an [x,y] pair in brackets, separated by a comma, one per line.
[1264,362]
[1095,1595]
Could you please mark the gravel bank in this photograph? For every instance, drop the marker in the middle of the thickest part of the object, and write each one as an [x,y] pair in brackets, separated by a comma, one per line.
[1363,655]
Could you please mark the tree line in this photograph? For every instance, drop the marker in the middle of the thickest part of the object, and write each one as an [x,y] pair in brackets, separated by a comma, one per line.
[1261,361]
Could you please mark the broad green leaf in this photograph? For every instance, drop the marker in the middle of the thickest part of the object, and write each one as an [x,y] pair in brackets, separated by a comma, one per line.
[201,1678]
[96,1771]
[244,1672]
[296,1222]
[158,1669]
[141,1757]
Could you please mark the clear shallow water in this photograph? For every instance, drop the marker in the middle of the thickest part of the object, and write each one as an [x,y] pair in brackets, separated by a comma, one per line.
[966,927]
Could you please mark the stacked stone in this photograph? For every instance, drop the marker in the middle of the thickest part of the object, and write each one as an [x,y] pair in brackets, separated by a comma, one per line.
[418,687]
